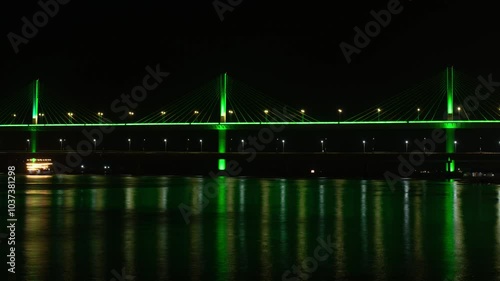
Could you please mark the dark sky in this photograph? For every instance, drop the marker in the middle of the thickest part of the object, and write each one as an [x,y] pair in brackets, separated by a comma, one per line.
[90,52]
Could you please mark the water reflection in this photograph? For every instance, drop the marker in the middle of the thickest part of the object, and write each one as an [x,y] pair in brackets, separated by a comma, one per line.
[255,229]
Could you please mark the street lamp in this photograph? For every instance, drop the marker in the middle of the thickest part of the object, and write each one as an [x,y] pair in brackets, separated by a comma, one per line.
[143,144]
[70,117]
[41,115]
[163,115]
[340,112]
[455,142]
[378,113]
[302,112]
[283,141]
[201,145]
[459,110]
[480,144]
[130,115]
[322,146]
[129,143]
[100,114]
[27,144]
[418,113]
[95,144]
[364,146]
[231,115]
[196,113]
[61,142]
[266,112]
[406,144]
[187,144]
[165,141]
[243,144]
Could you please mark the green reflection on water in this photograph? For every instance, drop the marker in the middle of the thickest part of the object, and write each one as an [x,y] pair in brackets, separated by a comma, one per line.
[255,229]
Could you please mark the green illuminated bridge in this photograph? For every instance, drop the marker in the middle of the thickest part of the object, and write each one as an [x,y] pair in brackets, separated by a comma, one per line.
[449,100]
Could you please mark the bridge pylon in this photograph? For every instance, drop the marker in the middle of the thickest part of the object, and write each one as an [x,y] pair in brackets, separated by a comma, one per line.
[223,113]
[450,132]
[34,119]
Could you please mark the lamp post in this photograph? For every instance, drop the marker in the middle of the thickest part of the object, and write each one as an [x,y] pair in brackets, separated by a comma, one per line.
[201,145]
[455,142]
[165,141]
[459,110]
[480,144]
[70,117]
[322,146]
[163,115]
[425,148]
[406,145]
[243,144]
[231,112]
[40,115]
[378,113]
[27,144]
[283,142]
[131,115]
[143,144]
[95,144]
[364,146]
[61,142]
[418,113]
[187,144]
[100,114]
[196,113]
[266,112]
[340,112]
[129,144]
[302,112]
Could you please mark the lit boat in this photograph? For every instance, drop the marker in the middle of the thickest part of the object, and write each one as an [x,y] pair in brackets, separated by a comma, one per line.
[37,166]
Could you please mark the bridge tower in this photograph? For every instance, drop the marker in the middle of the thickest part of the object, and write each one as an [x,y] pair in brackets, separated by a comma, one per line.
[34,120]
[222,129]
[450,132]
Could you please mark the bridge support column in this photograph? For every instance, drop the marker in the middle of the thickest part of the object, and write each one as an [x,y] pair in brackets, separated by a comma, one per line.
[222,130]
[33,140]
[450,132]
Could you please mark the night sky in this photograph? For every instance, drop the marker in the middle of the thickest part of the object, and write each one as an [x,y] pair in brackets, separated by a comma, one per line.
[90,52]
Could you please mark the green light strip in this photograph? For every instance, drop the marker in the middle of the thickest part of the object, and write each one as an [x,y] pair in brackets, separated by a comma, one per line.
[445,123]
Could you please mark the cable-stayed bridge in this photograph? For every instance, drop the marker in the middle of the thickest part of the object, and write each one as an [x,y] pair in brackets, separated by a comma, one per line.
[449,100]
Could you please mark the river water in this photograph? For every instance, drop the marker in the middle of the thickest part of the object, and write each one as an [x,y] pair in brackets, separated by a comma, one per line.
[95,227]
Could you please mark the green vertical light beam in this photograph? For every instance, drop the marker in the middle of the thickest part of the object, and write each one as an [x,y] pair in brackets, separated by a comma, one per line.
[33,140]
[449,90]
[222,130]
